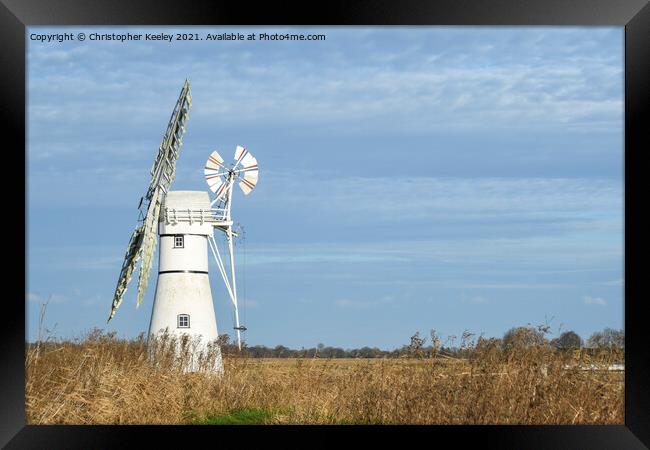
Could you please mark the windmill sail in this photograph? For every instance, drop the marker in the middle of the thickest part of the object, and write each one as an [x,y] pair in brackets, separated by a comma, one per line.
[249,169]
[143,241]
[149,242]
[219,176]
[214,172]
[130,259]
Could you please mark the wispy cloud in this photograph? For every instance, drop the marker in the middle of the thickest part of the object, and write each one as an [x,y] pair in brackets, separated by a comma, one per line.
[94,300]
[77,258]
[366,85]
[544,253]
[617,282]
[356,303]
[249,303]
[411,198]
[298,254]
[38,298]
[588,300]
[352,303]
[500,286]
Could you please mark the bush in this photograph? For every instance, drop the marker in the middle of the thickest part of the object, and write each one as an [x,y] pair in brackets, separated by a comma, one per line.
[567,340]
[608,338]
[522,337]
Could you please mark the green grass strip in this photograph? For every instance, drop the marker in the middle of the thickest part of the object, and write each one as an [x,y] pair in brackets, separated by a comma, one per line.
[241,417]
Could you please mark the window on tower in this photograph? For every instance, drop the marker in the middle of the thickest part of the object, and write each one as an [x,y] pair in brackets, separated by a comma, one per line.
[179,242]
[183,321]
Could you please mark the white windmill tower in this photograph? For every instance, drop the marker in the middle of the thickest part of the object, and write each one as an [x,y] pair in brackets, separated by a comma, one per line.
[186,221]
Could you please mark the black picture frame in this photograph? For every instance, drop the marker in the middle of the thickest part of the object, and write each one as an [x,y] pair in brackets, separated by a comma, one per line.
[634,15]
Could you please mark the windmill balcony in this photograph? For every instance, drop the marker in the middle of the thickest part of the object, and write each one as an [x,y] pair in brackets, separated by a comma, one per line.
[215,216]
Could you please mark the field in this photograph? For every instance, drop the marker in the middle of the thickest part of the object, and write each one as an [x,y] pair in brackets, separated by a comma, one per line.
[104,380]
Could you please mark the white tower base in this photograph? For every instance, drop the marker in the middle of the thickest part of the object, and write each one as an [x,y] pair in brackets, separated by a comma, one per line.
[183,302]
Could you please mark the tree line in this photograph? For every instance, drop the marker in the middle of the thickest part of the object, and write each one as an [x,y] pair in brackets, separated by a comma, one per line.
[453,346]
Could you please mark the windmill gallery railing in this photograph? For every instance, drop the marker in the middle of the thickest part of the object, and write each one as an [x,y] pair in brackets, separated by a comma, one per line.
[213,215]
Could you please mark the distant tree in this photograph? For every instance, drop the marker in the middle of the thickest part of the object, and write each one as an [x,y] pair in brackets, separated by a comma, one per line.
[436,344]
[567,340]
[280,351]
[365,352]
[223,339]
[607,338]
[415,347]
[258,351]
[485,343]
[522,337]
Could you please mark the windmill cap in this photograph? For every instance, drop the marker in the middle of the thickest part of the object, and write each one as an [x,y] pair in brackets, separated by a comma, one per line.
[187,199]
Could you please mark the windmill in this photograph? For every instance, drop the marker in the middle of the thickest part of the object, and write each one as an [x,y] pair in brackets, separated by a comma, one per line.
[186,221]
[221,179]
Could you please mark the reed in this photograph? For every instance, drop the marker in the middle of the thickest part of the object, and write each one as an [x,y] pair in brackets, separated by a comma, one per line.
[101,379]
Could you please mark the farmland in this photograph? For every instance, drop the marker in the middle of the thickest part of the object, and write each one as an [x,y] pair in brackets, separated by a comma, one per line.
[105,380]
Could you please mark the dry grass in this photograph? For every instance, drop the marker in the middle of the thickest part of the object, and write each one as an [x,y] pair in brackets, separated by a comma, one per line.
[104,380]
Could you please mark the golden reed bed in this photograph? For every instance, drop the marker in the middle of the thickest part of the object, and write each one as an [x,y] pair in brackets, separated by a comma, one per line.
[104,380]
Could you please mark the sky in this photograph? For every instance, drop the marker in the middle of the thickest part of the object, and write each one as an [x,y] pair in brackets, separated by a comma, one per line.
[411,178]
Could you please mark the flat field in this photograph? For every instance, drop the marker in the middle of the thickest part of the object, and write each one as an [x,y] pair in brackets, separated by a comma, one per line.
[103,380]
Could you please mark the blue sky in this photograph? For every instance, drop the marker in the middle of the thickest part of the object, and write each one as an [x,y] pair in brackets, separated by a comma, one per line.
[411,177]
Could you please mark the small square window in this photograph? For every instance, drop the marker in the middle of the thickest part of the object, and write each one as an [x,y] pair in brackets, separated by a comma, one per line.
[183,321]
[179,242]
